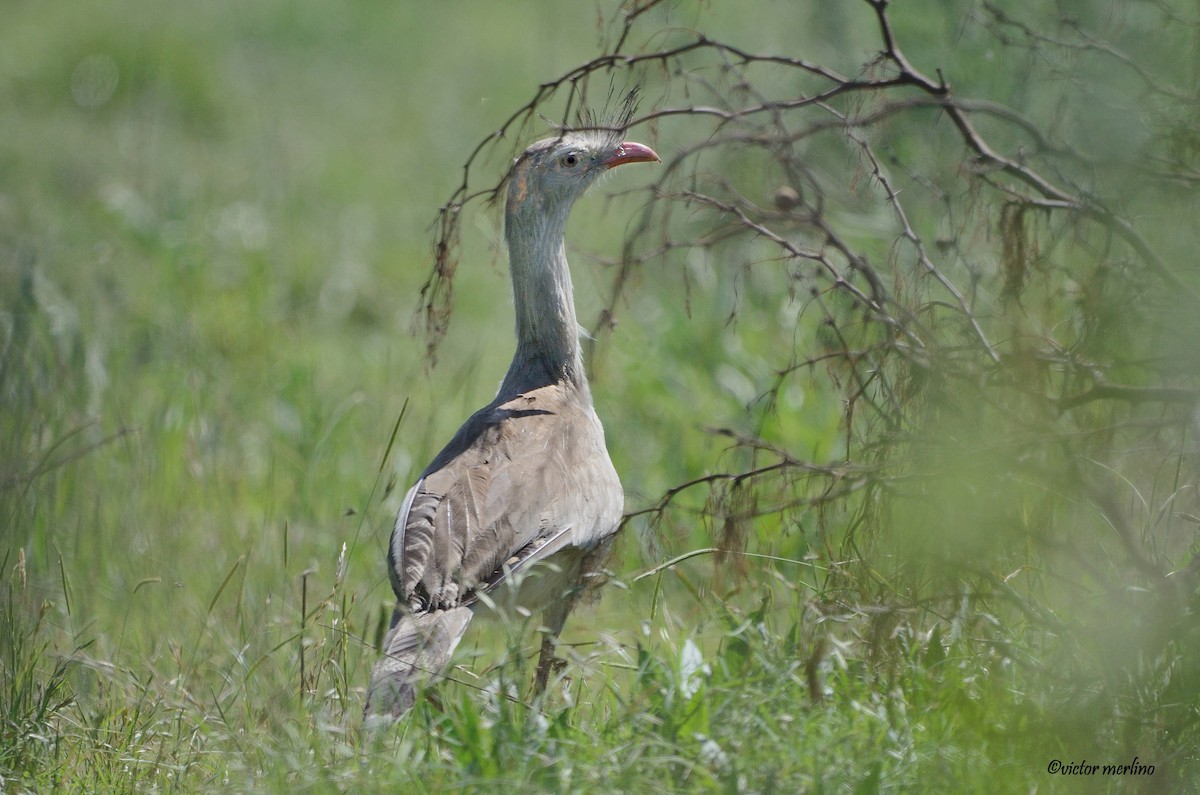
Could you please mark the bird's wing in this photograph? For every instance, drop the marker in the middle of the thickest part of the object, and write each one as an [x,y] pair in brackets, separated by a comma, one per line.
[521,480]
[395,554]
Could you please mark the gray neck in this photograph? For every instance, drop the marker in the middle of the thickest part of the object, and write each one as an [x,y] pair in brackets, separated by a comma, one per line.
[547,330]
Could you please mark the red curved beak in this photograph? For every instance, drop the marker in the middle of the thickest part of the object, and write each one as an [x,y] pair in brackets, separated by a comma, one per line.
[630,152]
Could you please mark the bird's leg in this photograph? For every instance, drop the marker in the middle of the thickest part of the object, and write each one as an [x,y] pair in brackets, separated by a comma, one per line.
[589,576]
[548,662]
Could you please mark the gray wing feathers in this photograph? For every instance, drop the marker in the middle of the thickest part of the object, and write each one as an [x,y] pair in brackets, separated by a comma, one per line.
[418,647]
[523,478]
[396,556]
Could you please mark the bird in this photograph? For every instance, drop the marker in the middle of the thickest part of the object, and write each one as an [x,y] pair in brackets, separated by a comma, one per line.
[522,505]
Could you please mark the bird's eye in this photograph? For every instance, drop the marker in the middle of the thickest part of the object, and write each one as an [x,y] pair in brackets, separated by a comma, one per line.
[570,161]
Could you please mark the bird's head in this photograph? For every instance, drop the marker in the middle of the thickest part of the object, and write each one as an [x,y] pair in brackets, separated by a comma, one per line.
[556,171]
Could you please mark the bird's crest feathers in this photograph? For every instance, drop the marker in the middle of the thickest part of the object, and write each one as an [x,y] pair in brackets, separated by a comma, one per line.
[599,128]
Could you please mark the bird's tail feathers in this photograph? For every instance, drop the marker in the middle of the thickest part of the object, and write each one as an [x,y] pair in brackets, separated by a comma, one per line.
[417,648]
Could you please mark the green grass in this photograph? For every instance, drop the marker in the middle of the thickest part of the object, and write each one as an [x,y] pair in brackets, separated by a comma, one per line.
[214,220]
[722,705]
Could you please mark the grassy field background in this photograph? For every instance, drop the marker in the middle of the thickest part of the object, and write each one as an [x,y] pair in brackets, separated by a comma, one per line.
[214,223]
